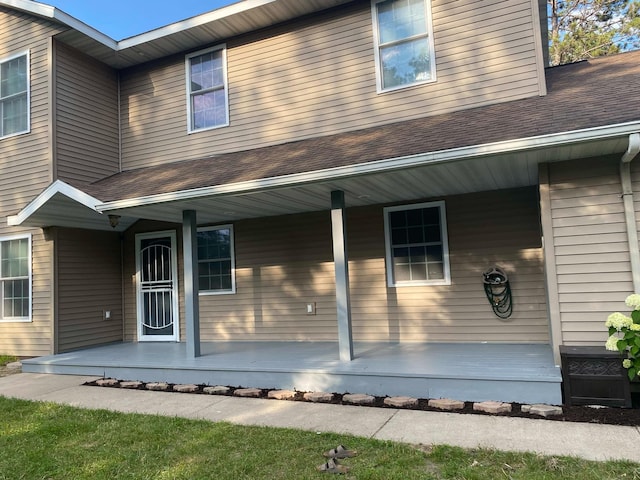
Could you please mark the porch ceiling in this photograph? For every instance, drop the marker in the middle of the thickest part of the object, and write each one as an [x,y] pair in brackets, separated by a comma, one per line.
[490,172]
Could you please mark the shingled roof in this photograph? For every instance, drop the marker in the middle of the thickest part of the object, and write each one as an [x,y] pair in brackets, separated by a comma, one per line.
[594,93]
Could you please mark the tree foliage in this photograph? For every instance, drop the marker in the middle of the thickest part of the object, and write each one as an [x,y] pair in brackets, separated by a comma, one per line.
[582,29]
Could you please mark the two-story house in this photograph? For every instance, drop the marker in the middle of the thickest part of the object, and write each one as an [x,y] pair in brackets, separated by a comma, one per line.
[307,194]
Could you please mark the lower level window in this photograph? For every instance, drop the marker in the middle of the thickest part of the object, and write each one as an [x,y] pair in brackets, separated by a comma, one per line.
[416,244]
[15,279]
[216,262]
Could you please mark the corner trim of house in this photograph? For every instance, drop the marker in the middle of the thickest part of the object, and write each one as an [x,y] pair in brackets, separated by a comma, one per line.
[535,18]
[52,59]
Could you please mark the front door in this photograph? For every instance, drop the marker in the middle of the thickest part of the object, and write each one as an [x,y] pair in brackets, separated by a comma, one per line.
[157,287]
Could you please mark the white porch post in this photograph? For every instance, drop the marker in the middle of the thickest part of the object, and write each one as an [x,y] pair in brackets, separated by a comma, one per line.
[191,301]
[550,268]
[341,264]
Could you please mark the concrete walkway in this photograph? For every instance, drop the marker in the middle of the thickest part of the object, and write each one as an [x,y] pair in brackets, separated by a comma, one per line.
[594,442]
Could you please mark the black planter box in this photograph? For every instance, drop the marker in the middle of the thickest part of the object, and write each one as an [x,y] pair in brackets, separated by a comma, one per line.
[594,376]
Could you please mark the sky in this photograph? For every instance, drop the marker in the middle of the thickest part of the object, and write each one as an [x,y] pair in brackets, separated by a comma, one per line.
[121,19]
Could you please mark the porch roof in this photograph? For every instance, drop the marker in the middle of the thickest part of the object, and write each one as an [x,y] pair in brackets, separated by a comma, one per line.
[590,110]
[584,95]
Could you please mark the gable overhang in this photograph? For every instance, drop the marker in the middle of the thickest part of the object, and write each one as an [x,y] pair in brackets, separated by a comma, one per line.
[491,166]
[62,205]
[52,13]
[209,28]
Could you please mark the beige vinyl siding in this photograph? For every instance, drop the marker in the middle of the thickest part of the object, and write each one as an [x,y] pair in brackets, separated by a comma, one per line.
[285,262]
[272,279]
[86,113]
[316,76]
[282,263]
[89,282]
[485,229]
[592,251]
[25,169]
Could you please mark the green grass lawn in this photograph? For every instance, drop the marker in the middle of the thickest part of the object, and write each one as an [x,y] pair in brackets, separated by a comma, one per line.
[4,359]
[45,441]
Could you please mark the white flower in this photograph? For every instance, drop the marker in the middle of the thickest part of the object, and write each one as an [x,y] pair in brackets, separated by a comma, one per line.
[612,343]
[626,363]
[619,321]
[633,301]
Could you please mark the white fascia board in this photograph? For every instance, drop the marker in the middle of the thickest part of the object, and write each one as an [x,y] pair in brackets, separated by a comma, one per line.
[220,13]
[380,166]
[58,15]
[30,6]
[85,29]
[56,187]
[53,13]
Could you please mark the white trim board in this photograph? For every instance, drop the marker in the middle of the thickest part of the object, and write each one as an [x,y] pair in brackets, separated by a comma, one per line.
[54,13]
[56,187]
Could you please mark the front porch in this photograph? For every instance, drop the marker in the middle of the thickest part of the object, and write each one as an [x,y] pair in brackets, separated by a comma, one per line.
[524,373]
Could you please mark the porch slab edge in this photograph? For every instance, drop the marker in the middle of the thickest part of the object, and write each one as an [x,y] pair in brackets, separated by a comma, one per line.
[467,389]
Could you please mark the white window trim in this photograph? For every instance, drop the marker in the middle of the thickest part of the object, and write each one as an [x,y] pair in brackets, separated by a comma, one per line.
[30,317]
[187,63]
[445,245]
[7,59]
[233,261]
[376,50]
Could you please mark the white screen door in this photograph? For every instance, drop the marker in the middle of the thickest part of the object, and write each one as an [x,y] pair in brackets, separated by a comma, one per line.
[157,287]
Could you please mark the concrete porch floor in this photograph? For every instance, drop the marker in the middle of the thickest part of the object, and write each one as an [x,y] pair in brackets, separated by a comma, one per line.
[470,372]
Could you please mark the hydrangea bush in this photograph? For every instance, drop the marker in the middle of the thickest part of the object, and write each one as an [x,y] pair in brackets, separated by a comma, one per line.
[624,335]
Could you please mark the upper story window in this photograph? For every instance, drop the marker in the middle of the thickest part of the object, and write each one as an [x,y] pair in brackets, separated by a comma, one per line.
[208,103]
[14,95]
[216,262]
[403,42]
[15,279]
[417,245]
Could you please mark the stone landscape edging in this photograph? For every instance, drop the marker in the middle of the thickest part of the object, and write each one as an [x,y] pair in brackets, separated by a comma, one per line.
[537,411]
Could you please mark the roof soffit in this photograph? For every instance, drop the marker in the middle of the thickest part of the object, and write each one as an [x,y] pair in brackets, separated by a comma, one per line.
[238,18]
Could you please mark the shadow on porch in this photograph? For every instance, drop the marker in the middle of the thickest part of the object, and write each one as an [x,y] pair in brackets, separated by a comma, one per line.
[470,372]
